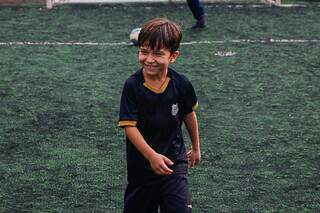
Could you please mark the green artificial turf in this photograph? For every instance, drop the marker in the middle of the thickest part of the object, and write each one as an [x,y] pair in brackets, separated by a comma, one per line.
[61,149]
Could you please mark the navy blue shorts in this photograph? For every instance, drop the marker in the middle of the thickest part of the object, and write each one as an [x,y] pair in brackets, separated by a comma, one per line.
[170,193]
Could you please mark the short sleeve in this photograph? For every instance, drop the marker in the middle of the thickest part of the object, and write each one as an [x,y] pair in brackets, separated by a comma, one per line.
[191,101]
[128,115]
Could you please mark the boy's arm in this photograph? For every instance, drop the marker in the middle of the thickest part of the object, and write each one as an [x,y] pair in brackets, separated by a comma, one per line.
[191,122]
[159,163]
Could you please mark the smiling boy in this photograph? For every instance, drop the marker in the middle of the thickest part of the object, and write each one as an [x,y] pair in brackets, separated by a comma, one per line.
[155,102]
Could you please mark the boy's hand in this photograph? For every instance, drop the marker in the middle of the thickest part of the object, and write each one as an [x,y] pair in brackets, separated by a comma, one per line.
[194,157]
[160,164]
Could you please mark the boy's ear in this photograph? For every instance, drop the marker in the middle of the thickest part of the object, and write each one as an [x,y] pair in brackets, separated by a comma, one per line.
[174,56]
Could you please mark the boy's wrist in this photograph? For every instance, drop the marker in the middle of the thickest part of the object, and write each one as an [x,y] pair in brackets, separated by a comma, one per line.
[196,148]
[149,154]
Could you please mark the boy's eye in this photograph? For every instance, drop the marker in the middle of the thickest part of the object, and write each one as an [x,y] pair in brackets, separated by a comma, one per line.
[158,53]
[144,52]
[155,53]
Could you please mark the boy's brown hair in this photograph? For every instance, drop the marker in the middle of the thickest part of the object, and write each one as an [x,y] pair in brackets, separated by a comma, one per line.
[160,33]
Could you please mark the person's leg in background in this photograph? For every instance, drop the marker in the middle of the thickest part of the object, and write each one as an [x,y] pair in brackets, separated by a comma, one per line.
[198,12]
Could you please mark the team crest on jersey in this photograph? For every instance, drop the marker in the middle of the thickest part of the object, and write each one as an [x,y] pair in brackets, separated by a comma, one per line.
[174,109]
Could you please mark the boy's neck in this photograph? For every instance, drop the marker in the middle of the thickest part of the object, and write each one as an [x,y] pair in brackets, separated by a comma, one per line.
[155,80]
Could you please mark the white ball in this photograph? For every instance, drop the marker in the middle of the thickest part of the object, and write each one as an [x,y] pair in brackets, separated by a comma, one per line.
[134,36]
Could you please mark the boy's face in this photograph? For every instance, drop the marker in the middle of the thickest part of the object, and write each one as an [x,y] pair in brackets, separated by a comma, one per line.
[155,62]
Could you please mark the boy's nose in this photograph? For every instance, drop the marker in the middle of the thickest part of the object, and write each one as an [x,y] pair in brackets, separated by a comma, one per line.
[150,58]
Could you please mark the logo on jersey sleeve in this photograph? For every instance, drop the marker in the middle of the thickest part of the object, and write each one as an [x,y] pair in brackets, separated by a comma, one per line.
[174,109]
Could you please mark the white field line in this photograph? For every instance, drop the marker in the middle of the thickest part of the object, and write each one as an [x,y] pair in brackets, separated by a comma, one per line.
[29,43]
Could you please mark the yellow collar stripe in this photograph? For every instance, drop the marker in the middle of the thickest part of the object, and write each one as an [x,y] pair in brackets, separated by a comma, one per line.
[161,89]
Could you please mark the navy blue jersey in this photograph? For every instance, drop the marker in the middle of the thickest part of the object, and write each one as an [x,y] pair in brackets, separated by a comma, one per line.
[158,115]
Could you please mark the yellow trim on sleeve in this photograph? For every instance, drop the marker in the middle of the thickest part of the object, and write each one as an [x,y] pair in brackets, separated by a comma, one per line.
[195,106]
[127,123]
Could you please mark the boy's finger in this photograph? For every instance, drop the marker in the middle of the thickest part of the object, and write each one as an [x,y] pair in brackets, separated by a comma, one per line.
[168,161]
[192,162]
[166,169]
[163,172]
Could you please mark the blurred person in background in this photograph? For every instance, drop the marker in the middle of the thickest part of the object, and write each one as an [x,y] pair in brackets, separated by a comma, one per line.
[198,12]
